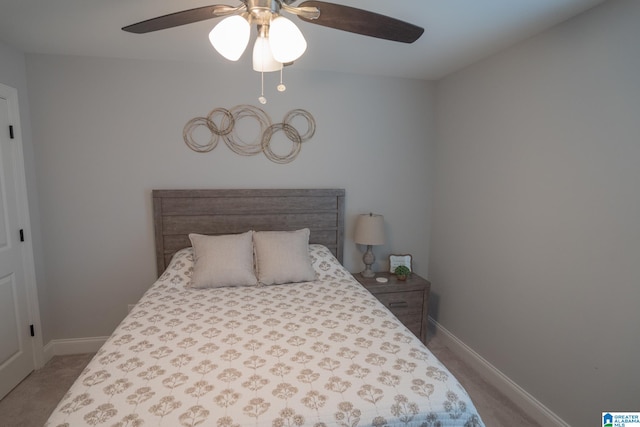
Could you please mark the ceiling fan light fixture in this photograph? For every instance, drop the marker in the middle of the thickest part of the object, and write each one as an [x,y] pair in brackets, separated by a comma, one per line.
[280,42]
[286,40]
[263,60]
[231,37]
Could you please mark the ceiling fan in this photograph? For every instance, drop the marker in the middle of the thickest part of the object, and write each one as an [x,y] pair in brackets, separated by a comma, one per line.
[317,12]
[279,41]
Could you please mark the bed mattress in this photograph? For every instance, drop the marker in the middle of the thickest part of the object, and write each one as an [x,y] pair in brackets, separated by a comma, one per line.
[321,353]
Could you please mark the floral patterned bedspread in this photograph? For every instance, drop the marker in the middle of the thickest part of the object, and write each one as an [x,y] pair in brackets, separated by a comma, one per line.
[322,353]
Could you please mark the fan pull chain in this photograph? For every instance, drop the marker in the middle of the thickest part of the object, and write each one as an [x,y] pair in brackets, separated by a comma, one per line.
[262,99]
[281,87]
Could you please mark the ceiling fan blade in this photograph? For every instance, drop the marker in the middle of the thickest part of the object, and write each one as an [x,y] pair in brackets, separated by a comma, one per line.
[363,22]
[307,12]
[184,17]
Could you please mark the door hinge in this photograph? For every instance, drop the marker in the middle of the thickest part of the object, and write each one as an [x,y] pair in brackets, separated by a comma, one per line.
[10,131]
[21,235]
[33,331]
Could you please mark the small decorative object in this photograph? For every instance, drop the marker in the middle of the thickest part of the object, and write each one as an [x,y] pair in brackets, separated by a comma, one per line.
[369,231]
[397,260]
[402,272]
[221,123]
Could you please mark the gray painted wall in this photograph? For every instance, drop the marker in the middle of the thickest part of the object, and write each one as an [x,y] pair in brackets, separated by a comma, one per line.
[106,132]
[535,248]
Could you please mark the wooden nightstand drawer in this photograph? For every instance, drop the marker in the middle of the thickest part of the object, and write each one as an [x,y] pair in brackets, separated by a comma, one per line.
[407,300]
[413,323]
[402,303]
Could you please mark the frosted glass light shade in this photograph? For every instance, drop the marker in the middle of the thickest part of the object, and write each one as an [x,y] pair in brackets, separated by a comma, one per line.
[231,37]
[287,41]
[263,59]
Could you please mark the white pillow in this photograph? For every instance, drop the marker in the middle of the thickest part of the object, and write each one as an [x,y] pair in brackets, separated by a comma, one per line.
[283,257]
[225,260]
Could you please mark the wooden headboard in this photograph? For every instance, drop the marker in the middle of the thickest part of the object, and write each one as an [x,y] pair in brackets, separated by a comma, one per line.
[176,213]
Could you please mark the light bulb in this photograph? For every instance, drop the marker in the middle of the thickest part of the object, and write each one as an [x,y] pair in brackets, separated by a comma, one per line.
[286,40]
[231,37]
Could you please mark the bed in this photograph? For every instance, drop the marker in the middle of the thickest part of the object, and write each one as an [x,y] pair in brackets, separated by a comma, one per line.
[287,349]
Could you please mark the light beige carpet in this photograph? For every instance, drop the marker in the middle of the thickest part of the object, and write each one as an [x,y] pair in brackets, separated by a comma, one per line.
[31,402]
[494,407]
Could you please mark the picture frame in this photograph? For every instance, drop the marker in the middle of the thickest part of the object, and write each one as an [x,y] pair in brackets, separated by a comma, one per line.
[399,259]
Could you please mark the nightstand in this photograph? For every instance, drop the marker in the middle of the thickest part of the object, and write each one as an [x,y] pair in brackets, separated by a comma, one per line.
[408,300]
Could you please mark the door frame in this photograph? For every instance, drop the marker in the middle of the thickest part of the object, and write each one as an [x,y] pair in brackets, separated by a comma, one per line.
[24,219]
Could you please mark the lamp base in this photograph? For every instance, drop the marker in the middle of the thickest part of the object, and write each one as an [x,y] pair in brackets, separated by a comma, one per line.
[367,272]
[368,258]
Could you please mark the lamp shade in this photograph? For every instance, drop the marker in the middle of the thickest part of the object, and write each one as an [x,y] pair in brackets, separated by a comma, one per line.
[369,229]
[287,41]
[263,58]
[231,37]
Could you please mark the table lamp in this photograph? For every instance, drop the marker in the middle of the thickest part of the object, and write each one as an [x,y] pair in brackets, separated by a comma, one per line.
[369,231]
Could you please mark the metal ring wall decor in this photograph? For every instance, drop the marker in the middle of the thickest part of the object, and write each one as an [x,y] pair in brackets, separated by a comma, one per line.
[221,123]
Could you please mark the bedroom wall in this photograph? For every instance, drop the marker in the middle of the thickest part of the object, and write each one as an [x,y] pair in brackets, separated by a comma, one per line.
[535,234]
[13,73]
[107,131]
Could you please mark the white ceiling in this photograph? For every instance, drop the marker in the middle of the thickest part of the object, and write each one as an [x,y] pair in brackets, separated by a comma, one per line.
[457,32]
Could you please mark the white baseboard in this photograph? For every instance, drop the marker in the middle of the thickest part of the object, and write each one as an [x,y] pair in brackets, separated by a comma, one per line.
[72,346]
[504,384]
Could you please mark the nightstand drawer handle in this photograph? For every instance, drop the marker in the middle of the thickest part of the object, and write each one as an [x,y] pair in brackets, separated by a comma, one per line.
[400,304]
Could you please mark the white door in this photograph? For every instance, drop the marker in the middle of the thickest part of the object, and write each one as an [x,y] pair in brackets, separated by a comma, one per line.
[16,346]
